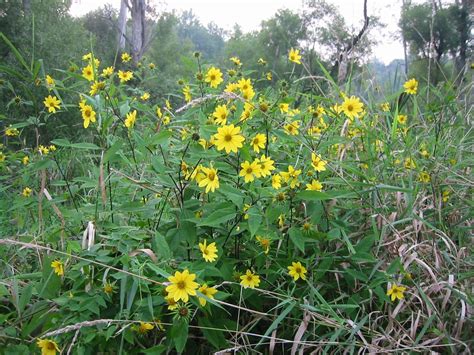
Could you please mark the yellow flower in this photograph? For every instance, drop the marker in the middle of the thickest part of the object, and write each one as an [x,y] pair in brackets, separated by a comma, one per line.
[182,286]
[96,87]
[228,138]
[87,56]
[168,104]
[317,163]
[248,94]
[172,304]
[43,150]
[276,181]
[145,96]
[47,346]
[245,84]
[281,220]
[247,112]
[12,132]
[264,243]
[152,66]
[409,163]
[294,56]
[131,118]
[207,291]
[385,107]
[249,170]
[266,165]
[291,177]
[126,57]
[292,128]
[352,107]
[396,292]
[125,76]
[314,186]
[108,288]
[446,194]
[250,280]
[411,86]
[52,148]
[88,72]
[269,76]
[107,72]
[25,160]
[231,87]
[210,180]
[236,61]
[187,93]
[144,327]
[424,177]
[52,103]
[49,81]
[296,270]
[284,107]
[2,157]
[27,192]
[58,267]
[88,115]
[158,112]
[220,114]
[258,142]
[402,119]
[209,252]
[214,77]
[261,61]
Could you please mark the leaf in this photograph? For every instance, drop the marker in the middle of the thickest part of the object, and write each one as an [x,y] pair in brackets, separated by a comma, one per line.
[322,196]
[254,221]
[65,143]
[161,137]
[161,247]
[179,334]
[112,150]
[278,320]
[297,238]
[218,217]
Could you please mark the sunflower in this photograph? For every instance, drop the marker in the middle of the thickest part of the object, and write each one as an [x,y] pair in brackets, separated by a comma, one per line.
[228,138]
[352,107]
[182,286]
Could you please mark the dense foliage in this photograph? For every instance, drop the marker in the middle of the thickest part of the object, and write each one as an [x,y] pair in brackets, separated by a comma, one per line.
[249,205]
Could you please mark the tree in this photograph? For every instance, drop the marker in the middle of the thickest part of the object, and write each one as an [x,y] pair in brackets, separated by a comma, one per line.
[434,31]
[336,42]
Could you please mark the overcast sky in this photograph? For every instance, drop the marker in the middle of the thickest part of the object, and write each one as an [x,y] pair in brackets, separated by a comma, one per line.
[249,14]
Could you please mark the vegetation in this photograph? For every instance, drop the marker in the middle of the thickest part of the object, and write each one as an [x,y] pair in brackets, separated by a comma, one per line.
[229,194]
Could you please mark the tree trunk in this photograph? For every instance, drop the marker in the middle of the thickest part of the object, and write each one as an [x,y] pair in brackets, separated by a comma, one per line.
[138,29]
[122,24]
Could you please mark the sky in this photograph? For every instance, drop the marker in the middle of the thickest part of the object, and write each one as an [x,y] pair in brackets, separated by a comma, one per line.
[250,13]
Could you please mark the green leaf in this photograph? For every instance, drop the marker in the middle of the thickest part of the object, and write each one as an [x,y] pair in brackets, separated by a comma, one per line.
[161,247]
[161,137]
[218,217]
[296,236]
[112,150]
[322,196]
[254,221]
[179,334]
[278,320]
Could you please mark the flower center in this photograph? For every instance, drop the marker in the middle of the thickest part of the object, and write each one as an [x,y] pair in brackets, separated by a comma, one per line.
[181,285]
[249,170]
[213,77]
[298,270]
[350,107]
[50,346]
[228,137]
[211,176]
[249,278]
